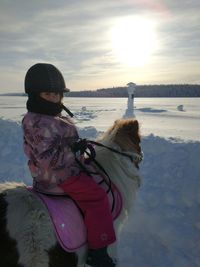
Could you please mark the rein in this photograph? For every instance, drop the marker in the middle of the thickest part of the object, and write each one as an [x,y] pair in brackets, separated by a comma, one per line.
[136,158]
[82,145]
[86,146]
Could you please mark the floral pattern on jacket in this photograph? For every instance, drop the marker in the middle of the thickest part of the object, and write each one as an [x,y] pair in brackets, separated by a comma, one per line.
[47,141]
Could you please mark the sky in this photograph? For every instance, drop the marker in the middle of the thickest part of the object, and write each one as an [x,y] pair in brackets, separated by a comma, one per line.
[100,44]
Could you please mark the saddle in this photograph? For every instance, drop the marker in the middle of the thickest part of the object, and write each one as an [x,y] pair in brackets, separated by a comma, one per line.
[67,219]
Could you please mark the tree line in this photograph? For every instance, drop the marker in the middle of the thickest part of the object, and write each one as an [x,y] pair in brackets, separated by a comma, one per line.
[169,90]
[166,90]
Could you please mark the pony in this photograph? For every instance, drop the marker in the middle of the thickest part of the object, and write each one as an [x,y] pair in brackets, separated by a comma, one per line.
[27,235]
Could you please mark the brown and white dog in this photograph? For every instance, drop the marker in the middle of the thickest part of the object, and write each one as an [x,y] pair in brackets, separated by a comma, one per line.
[27,237]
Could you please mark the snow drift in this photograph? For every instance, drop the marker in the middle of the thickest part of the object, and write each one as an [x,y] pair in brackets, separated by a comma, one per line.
[164,226]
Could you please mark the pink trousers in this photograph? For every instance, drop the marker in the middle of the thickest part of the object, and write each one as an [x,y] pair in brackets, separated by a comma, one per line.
[93,202]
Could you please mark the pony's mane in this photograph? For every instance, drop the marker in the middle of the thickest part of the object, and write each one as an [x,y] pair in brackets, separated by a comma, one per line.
[125,133]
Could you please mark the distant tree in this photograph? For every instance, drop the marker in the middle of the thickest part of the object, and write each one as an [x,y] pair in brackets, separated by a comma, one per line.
[169,90]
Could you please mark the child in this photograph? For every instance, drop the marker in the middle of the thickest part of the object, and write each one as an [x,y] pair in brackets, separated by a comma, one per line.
[48,138]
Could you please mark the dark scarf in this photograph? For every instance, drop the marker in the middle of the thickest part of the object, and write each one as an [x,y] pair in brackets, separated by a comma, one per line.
[37,104]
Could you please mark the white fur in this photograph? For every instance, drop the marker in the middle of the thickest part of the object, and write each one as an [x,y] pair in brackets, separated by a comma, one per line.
[120,169]
[124,175]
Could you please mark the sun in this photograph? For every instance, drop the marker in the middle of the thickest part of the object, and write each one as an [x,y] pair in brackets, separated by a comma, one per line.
[133,41]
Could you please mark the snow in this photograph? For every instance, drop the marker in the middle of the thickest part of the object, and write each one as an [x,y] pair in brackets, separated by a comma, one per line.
[163,229]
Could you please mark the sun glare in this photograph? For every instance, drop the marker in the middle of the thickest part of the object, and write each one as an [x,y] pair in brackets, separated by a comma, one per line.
[133,40]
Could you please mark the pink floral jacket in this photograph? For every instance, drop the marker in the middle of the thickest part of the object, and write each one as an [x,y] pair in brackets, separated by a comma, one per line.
[47,141]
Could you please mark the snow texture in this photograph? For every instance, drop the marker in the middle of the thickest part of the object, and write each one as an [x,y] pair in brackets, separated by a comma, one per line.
[163,229]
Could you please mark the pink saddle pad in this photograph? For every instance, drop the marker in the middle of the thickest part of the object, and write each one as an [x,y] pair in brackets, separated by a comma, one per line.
[67,219]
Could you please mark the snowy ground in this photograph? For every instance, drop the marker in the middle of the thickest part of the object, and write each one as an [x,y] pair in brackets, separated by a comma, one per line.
[163,229]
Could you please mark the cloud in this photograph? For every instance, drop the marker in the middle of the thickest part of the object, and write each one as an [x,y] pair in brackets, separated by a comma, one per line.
[75,36]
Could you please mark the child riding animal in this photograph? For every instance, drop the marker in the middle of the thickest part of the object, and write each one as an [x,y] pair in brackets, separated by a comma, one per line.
[48,139]
[27,234]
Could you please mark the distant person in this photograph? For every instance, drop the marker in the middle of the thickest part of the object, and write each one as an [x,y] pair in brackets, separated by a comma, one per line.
[48,141]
